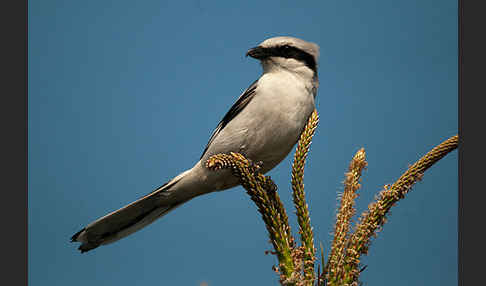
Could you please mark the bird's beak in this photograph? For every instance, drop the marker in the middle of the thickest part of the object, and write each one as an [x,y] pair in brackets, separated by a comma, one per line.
[257,52]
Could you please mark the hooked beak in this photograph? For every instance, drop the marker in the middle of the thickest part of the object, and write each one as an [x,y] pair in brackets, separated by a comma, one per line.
[257,53]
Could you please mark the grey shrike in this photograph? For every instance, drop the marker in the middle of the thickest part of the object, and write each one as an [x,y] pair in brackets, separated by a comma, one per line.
[263,124]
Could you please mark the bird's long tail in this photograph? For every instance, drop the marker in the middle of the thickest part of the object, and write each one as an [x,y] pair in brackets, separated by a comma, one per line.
[132,217]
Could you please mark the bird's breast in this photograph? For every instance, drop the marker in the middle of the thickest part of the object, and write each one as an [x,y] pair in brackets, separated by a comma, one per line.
[276,117]
[268,127]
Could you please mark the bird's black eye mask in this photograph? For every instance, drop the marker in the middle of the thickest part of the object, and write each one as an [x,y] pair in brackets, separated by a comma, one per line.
[284,51]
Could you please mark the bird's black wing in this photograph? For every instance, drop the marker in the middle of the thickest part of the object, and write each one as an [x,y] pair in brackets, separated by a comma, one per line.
[237,107]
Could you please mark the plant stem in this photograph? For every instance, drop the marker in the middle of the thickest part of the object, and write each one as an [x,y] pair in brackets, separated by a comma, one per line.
[374,219]
[302,209]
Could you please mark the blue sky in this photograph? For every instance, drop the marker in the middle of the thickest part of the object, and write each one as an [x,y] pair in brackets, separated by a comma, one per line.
[124,95]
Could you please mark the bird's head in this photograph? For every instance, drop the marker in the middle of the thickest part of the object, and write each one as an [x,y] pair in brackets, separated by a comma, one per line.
[287,52]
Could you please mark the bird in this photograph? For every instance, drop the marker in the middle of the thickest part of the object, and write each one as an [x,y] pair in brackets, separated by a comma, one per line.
[263,125]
